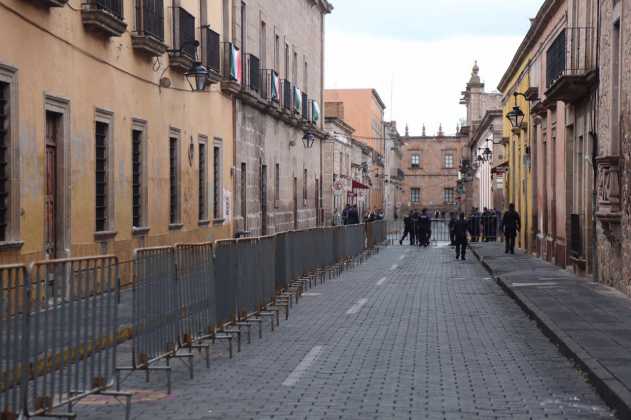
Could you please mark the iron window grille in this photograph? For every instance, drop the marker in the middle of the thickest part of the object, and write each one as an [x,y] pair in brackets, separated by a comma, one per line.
[213,53]
[4,160]
[137,158]
[415,195]
[202,182]
[449,195]
[184,32]
[101,175]
[416,161]
[173,181]
[449,160]
[216,180]
[150,18]
[555,59]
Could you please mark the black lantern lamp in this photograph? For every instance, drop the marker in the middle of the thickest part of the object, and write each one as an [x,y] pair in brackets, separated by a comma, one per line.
[488,154]
[308,139]
[197,77]
[516,116]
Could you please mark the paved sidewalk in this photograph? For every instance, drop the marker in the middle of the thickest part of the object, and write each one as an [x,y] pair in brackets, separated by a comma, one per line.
[410,334]
[589,321]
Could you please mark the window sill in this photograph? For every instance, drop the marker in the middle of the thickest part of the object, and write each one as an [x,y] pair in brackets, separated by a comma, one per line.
[204,222]
[141,230]
[176,226]
[10,245]
[219,221]
[104,235]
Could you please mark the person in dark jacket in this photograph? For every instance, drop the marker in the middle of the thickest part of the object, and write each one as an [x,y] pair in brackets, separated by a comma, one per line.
[346,214]
[511,224]
[416,227]
[452,225]
[461,228]
[353,216]
[407,229]
[425,229]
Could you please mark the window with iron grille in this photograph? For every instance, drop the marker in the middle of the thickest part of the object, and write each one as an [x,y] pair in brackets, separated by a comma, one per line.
[555,59]
[4,160]
[114,7]
[174,203]
[202,183]
[150,18]
[415,195]
[184,25]
[243,192]
[137,174]
[287,94]
[212,50]
[276,185]
[416,160]
[304,187]
[449,195]
[217,182]
[101,163]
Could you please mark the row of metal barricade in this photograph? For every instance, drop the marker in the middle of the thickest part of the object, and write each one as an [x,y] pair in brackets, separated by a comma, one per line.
[59,319]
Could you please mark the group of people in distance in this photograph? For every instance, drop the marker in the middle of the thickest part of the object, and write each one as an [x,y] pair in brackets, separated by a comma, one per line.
[478,226]
[419,227]
[350,215]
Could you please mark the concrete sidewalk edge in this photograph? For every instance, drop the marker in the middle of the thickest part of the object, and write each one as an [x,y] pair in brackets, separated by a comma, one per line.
[607,385]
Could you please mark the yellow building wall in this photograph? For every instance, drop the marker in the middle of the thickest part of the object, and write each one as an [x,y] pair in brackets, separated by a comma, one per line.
[518,184]
[54,55]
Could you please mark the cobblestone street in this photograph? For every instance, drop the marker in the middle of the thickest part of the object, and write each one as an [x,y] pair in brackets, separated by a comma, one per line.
[409,334]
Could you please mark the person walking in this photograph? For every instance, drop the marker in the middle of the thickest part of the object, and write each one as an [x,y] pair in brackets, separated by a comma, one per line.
[425,229]
[511,224]
[407,229]
[452,225]
[461,227]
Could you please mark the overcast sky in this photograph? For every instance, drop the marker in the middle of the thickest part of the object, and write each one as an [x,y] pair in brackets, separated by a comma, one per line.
[418,54]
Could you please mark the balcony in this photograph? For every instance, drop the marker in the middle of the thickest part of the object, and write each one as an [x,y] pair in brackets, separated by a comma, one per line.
[287,94]
[571,72]
[104,16]
[148,38]
[212,59]
[253,73]
[183,54]
[305,108]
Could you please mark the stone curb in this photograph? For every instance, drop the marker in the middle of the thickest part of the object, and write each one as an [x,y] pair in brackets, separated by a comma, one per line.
[614,392]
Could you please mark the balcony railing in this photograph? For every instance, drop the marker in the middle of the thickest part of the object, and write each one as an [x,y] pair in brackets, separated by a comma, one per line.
[114,7]
[253,73]
[105,16]
[213,50]
[287,94]
[571,65]
[184,32]
[150,18]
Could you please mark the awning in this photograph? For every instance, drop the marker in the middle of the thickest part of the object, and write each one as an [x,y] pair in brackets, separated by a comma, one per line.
[359,186]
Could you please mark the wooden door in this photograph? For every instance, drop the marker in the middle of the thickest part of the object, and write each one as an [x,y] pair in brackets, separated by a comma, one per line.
[51,197]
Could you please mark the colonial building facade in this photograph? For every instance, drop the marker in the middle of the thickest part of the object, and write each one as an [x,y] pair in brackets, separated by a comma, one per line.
[430,165]
[106,146]
[337,181]
[394,175]
[278,89]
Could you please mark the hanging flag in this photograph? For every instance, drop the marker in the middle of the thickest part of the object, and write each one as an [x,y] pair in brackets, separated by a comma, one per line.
[315,112]
[297,100]
[235,63]
[275,86]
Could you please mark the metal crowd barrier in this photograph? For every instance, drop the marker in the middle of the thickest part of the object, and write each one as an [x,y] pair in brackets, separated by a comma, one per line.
[59,325]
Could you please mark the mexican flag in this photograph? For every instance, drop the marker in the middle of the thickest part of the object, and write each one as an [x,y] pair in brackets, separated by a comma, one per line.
[297,100]
[235,64]
[315,112]
[275,87]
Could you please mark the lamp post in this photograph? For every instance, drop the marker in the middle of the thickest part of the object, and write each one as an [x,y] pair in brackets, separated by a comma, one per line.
[197,75]
[308,139]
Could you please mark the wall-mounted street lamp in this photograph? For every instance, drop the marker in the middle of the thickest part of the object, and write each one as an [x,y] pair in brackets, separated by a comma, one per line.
[516,116]
[308,139]
[197,75]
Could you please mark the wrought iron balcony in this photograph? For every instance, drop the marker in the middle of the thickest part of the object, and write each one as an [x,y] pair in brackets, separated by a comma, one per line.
[183,54]
[212,50]
[104,16]
[148,37]
[287,94]
[253,73]
[305,107]
[571,71]
[232,69]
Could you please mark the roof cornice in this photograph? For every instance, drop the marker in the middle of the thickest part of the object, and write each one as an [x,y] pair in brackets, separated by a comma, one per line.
[536,28]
